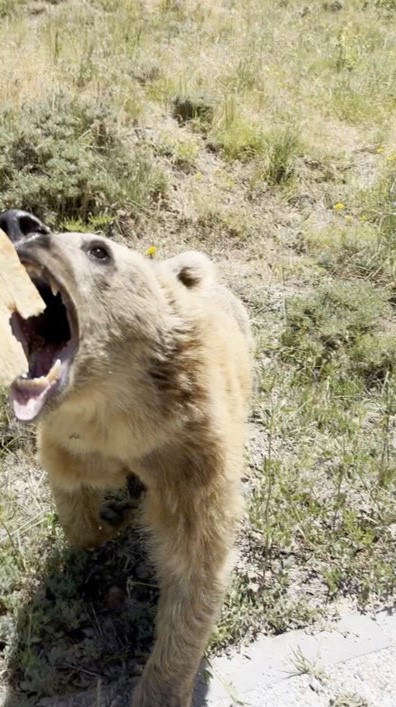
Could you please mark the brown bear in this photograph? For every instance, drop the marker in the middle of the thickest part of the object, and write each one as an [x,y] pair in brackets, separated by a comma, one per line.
[143,367]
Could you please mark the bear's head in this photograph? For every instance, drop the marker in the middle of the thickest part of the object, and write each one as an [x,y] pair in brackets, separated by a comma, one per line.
[106,305]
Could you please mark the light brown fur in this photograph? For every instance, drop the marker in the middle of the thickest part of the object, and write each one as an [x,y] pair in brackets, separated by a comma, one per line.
[159,387]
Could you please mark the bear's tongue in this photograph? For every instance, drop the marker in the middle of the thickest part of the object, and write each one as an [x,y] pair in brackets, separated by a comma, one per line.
[28,395]
[48,345]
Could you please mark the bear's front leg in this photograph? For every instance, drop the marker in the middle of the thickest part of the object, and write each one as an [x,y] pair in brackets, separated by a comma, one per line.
[77,483]
[79,515]
[186,614]
[190,554]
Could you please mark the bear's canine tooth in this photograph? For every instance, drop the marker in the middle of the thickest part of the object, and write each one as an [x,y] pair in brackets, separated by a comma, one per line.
[54,371]
[54,287]
[33,269]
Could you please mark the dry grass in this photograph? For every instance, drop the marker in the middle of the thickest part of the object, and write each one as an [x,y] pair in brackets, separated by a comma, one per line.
[264,133]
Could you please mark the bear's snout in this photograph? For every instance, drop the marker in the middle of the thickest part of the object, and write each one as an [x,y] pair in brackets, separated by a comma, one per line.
[19,224]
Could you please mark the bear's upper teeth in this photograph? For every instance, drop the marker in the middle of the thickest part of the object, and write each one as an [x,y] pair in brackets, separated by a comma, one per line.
[54,287]
[33,269]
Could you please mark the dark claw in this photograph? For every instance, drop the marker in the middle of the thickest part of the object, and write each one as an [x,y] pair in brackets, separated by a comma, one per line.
[18,224]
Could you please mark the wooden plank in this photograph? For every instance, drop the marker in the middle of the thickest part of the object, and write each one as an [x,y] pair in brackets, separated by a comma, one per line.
[17,294]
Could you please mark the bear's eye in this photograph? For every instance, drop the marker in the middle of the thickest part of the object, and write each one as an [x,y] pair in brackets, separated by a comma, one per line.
[99,252]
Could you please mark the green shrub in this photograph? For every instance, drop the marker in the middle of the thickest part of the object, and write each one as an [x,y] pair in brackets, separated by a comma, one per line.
[69,160]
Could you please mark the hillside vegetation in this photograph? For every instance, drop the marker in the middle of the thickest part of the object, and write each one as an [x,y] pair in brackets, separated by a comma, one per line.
[264,133]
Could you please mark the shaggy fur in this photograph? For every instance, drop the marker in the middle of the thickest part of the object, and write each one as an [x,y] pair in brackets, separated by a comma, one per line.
[159,387]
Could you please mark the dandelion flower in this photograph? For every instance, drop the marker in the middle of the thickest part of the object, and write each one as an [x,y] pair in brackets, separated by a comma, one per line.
[338,206]
[150,252]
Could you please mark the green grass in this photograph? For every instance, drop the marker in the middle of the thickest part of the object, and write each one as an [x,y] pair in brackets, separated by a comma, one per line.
[9,7]
[362,241]
[335,333]
[348,699]
[320,514]
[264,134]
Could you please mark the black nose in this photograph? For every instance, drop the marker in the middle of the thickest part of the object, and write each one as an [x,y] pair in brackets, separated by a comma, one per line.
[18,224]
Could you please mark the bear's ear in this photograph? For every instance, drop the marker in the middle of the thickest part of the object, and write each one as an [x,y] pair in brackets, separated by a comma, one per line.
[190,276]
[191,268]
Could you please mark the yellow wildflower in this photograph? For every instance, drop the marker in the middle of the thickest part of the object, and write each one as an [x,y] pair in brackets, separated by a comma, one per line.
[338,206]
[150,252]
[380,150]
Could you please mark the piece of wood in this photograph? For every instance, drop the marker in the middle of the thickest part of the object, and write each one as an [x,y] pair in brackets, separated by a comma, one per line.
[17,294]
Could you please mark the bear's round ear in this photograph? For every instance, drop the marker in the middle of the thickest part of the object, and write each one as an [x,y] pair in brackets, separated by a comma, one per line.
[191,268]
[190,276]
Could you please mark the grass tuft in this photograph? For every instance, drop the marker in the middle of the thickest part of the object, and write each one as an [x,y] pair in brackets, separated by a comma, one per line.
[282,150]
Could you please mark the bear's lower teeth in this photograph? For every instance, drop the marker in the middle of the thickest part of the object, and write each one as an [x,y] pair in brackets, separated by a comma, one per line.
[43,381]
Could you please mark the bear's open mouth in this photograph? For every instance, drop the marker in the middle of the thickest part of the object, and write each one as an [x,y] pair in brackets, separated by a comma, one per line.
[49,341]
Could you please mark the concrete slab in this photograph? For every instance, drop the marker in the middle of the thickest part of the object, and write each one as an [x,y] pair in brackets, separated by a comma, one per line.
[252,676]
[386,620]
